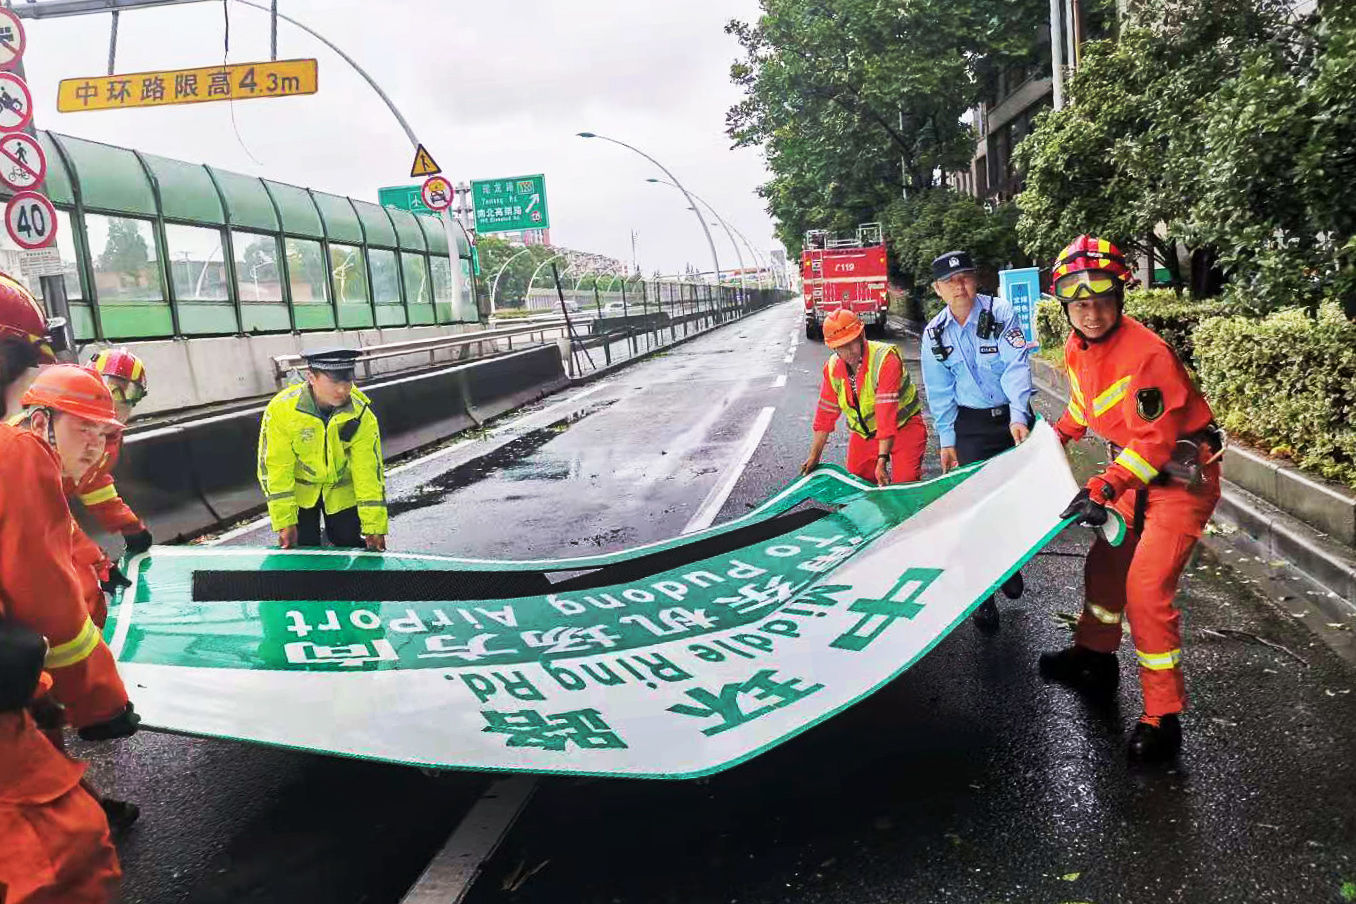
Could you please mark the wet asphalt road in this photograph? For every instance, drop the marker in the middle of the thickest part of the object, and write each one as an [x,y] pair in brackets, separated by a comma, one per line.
[964,780]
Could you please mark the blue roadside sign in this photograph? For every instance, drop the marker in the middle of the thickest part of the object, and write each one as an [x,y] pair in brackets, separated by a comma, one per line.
[1022,289]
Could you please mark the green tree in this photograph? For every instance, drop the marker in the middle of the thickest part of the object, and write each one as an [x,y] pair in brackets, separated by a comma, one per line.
[1193,128]
[856,101]
[125,252]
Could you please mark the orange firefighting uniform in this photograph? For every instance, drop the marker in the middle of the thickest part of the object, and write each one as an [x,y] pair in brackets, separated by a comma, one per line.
[55,836]
[891,390]
[98,494]
[1131,390]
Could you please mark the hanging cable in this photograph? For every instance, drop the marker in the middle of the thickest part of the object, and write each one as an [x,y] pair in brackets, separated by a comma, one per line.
[273,32]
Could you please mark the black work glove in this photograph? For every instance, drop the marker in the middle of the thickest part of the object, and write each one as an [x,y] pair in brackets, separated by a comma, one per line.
[123,725]
[21,656]
[115,580]
[1088,511]
[138,542]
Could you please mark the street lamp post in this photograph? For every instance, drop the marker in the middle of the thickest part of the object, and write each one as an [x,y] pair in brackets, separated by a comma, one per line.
[538,270]
[724,224]
[710,242]
[502,268]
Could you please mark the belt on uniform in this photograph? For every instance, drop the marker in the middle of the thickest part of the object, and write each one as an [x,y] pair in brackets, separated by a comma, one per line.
[995,413]
[1192,453]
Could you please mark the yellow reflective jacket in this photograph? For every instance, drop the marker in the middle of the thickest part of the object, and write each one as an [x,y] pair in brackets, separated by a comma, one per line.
[302,459]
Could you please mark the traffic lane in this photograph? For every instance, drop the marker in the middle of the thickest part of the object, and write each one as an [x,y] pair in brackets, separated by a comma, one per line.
[228,821]
[633,468]
[969,779]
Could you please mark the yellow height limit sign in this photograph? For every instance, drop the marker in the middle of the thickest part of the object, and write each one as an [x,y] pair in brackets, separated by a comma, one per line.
[238,81]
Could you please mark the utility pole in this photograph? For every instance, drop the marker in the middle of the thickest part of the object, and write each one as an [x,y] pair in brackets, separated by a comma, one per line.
[1057,53]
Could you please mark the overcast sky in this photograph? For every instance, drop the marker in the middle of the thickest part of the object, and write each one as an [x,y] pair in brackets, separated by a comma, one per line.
[492,89]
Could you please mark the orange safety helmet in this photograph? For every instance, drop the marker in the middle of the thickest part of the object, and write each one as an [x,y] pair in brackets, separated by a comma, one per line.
[121,362]
[75,390]
[22,316]
[841,327]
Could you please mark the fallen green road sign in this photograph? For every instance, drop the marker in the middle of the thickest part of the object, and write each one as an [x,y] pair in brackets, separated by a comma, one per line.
[672,660]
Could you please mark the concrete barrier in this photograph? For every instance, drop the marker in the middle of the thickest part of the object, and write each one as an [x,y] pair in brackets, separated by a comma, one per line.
[185,479]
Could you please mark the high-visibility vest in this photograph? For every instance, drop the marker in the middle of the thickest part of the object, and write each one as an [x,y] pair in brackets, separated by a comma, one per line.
[861,417]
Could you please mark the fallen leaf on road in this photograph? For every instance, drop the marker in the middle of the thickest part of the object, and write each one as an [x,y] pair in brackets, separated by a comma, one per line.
[1349,891]
[1071,877]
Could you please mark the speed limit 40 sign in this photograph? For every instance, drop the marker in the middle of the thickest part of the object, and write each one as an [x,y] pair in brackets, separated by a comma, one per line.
[31,220]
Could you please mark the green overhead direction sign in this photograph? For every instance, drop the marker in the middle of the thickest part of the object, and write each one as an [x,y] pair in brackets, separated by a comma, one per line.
[510,205]
[403,197]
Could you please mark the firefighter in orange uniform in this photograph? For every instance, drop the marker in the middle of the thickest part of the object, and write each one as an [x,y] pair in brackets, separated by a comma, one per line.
[56,846]
[867,383]
[125,375]
[1128,387]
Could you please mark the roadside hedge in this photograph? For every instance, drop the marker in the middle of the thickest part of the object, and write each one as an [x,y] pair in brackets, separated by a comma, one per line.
[1161,310]
[1286,383]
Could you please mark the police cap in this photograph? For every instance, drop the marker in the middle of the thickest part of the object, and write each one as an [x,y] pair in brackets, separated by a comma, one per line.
[337,362]
[951,263]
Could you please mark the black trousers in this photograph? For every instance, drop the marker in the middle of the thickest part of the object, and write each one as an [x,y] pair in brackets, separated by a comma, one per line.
[982,433]
[342,528]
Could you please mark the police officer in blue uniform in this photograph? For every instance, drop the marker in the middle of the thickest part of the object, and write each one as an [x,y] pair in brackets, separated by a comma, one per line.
[978,381]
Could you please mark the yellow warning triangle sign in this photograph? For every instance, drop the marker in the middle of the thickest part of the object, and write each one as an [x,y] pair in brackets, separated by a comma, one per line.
[424,164]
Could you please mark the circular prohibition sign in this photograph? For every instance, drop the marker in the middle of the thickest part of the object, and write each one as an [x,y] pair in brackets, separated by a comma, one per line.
[437,193]
[31,220]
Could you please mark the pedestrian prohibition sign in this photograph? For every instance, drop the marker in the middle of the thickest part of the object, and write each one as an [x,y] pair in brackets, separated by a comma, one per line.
[23,165]
[436,193]
[16,104]
[31,220]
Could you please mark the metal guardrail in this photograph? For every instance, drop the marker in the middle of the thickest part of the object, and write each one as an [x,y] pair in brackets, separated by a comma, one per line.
[284,364]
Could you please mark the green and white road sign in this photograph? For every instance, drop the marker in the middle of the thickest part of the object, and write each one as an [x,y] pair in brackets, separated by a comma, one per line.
[672,660]
[510,205]
[404,197]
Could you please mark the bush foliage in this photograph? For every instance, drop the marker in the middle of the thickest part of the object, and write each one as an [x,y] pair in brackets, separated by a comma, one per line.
[1286,383]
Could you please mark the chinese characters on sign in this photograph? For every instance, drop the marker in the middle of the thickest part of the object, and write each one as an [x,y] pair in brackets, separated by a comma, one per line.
[510,205]
[239,81]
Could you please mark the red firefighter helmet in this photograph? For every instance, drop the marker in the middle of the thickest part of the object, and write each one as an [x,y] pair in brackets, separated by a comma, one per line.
[22,316]
[121,362]
[1088,266]
[75,390]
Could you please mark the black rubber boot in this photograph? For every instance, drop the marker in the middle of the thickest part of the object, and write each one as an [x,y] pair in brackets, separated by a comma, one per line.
[121,813]
[986,617]
[1014,586]
[1156,739]
[1083,670]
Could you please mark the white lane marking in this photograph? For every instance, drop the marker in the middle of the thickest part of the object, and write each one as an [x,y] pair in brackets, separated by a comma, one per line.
[449,875]
[789,359]
[715,500]
[779,382]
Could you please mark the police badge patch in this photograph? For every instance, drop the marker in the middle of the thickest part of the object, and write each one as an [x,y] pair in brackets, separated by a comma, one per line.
[1149,402]
[307,434]
[1015,338]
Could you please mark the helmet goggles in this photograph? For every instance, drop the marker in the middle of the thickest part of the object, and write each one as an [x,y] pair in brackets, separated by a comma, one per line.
[124,390]
[1084,284]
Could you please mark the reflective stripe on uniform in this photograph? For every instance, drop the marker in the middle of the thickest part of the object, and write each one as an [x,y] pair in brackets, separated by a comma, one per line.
[274,497]
[1074,388]
[1076,413]
[1133,462]
[103,494]
[65,655]
[1105,616]
[1113,394]
[1160,662]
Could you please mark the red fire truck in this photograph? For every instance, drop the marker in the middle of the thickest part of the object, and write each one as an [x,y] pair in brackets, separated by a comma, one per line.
[844,271]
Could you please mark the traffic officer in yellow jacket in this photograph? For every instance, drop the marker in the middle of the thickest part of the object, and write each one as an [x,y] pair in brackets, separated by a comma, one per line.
[320,452]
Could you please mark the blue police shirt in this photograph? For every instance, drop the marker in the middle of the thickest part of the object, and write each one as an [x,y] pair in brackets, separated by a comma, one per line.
[979,373]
